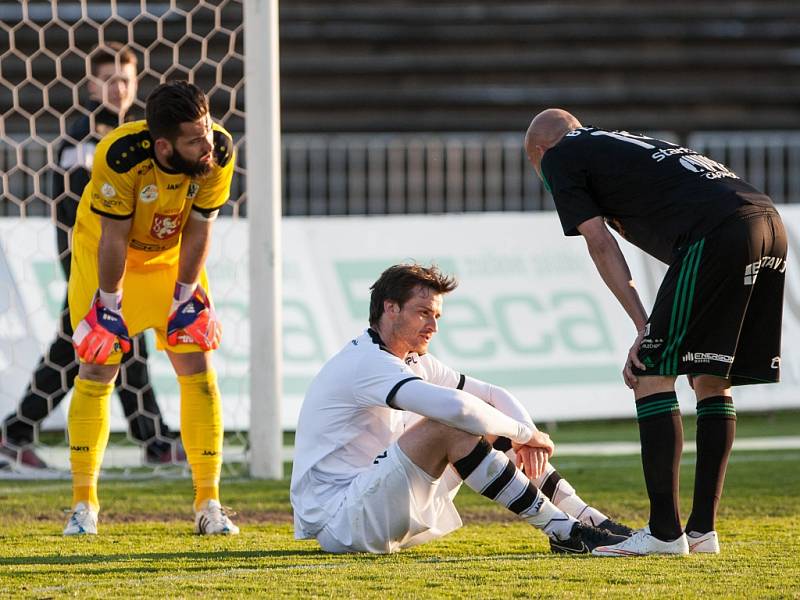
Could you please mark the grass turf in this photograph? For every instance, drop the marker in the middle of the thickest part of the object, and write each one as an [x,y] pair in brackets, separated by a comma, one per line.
[146,547]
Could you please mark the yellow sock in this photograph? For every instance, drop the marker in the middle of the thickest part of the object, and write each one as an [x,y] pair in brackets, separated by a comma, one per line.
[88,426]
[201,432]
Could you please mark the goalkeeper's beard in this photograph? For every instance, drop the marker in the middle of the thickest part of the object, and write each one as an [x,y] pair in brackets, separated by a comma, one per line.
[195,168]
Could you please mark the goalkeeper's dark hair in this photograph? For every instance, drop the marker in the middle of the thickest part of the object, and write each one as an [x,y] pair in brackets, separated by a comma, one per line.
[171,104]
[398,283]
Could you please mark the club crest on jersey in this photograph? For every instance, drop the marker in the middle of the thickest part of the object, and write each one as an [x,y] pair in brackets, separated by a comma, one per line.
[148,193]
[193,189]
[108,190]
[165,226]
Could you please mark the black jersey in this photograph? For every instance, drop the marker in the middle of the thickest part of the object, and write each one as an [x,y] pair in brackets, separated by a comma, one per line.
[657,195]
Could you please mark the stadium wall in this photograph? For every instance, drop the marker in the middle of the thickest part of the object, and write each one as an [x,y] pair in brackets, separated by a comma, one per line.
[530,314]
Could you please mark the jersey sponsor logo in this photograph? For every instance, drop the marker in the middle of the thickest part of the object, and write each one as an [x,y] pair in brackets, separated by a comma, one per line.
[776,362]
[710,169]
[174,186]
[148,194]
[79,448]
[707,357]
[380,457]
[765,262]
[666,152]
[165,226]
[108,190]
[193,189]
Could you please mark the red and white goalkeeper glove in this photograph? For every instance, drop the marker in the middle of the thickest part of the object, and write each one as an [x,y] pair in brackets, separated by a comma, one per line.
[192,319]
[102,331]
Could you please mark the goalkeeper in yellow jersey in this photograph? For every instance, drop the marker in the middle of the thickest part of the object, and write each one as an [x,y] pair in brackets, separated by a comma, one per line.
[140,242]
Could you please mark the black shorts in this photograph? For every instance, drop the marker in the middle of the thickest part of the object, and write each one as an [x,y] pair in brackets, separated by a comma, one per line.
[718,310]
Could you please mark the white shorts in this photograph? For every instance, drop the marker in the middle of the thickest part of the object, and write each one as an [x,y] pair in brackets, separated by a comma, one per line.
[394,505]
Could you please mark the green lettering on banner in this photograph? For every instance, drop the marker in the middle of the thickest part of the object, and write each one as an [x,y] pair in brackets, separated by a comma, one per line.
[356,276]
[301,334]
[465,331]
[585,332]
[508,326]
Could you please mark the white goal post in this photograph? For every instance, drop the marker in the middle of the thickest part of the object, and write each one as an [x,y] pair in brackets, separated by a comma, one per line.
[262,97]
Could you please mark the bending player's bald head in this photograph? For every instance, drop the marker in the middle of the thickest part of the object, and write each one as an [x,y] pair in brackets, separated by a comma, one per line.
[545,131]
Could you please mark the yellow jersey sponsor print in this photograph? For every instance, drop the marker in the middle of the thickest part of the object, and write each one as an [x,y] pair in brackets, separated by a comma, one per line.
[128,183]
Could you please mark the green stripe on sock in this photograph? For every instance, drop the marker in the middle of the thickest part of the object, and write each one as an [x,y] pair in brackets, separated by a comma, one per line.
[716,410]
[656,409]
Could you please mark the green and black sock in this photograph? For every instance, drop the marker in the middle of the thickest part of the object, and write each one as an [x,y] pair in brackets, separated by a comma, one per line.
[716,429]
[661,435]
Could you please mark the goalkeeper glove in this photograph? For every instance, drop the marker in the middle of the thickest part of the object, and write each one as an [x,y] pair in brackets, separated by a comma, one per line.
[101,332]
[192,319]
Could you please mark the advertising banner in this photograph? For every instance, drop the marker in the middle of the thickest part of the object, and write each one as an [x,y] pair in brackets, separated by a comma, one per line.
[530,313]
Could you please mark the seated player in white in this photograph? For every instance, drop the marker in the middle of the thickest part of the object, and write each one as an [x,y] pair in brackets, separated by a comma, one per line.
[387,434]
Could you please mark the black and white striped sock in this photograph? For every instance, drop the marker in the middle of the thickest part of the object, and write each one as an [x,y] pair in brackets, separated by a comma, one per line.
[490,473]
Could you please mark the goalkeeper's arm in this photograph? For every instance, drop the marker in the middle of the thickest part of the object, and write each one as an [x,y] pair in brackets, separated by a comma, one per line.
[95,336]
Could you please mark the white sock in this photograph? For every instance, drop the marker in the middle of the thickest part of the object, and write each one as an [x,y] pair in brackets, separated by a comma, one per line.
[564,497]
[490,473]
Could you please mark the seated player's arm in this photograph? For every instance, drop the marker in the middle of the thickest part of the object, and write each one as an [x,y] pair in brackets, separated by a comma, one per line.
[460,410]
[534,454]
[613,268]
[499,397]
[112,252]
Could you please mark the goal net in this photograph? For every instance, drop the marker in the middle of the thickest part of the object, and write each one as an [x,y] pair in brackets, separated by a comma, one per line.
[45,53]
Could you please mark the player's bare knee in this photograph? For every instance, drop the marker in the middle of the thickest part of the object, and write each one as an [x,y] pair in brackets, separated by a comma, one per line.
[653,384]
[707,386]
[98,373]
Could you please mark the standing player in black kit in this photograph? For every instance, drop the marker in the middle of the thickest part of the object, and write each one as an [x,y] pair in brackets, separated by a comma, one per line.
[717,314]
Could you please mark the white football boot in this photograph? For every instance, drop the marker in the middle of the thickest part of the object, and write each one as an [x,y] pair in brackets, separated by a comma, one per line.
[703,543]
[82,521]
[642,543]
[213,520]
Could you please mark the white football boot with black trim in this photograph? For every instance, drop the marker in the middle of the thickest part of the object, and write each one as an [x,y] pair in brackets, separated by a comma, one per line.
[82,521]
[643,543]
[212,519]
[703,543]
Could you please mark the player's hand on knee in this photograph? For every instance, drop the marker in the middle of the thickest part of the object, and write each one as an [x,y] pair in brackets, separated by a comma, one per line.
[193,321]
[101,332]
[531,460]
[632,360]
[534,454]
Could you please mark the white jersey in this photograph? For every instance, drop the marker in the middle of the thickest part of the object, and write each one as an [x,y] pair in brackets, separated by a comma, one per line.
[346,421]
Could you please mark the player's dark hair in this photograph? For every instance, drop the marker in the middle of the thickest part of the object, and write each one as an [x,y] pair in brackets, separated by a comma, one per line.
[111,53]
[171,104]
[398,283]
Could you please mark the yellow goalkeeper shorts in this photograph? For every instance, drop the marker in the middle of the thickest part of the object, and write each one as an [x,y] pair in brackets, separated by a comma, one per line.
[146,297]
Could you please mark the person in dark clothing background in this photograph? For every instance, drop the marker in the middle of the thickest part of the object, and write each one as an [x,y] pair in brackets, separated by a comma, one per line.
[112,89]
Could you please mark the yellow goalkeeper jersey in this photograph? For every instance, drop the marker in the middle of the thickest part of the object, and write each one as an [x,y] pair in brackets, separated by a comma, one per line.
[128,183]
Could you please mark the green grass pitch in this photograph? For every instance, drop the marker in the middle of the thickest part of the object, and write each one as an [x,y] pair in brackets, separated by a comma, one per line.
[146,547]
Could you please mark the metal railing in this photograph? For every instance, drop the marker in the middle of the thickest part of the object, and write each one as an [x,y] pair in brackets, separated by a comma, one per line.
[371,174]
